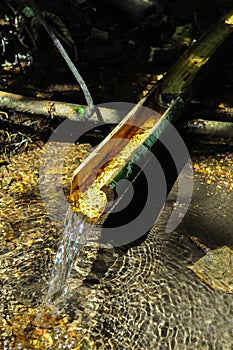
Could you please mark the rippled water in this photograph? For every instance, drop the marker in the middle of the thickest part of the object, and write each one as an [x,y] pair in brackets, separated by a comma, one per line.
[148,299]
[153,301]
[142,298]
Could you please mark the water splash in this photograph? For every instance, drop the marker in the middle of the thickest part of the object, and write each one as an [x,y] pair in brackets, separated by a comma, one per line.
[77,234]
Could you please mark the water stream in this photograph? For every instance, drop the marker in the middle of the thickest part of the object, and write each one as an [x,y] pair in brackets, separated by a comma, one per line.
[77,234]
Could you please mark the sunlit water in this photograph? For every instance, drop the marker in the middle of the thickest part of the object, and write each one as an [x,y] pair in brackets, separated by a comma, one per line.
[77,234]
[148,298]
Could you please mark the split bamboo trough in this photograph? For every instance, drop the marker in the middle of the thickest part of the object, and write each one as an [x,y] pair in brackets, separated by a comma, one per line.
[141,128]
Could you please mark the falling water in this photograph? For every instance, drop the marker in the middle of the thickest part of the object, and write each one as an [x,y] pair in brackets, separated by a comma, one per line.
[77,234]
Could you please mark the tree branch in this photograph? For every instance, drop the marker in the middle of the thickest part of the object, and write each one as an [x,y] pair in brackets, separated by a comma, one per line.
[52,109]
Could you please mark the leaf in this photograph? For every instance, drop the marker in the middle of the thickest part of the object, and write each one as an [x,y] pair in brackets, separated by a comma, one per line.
[215,269]
[28,12]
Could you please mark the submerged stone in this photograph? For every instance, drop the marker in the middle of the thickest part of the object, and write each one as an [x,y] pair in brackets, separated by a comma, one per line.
[215,269]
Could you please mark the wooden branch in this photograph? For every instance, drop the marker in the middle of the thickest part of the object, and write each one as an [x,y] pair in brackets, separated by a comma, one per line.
[64,54]
[203,111]
[210,128]
[52,109]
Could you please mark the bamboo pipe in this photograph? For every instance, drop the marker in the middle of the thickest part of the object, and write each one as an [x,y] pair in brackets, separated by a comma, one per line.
[141,128]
